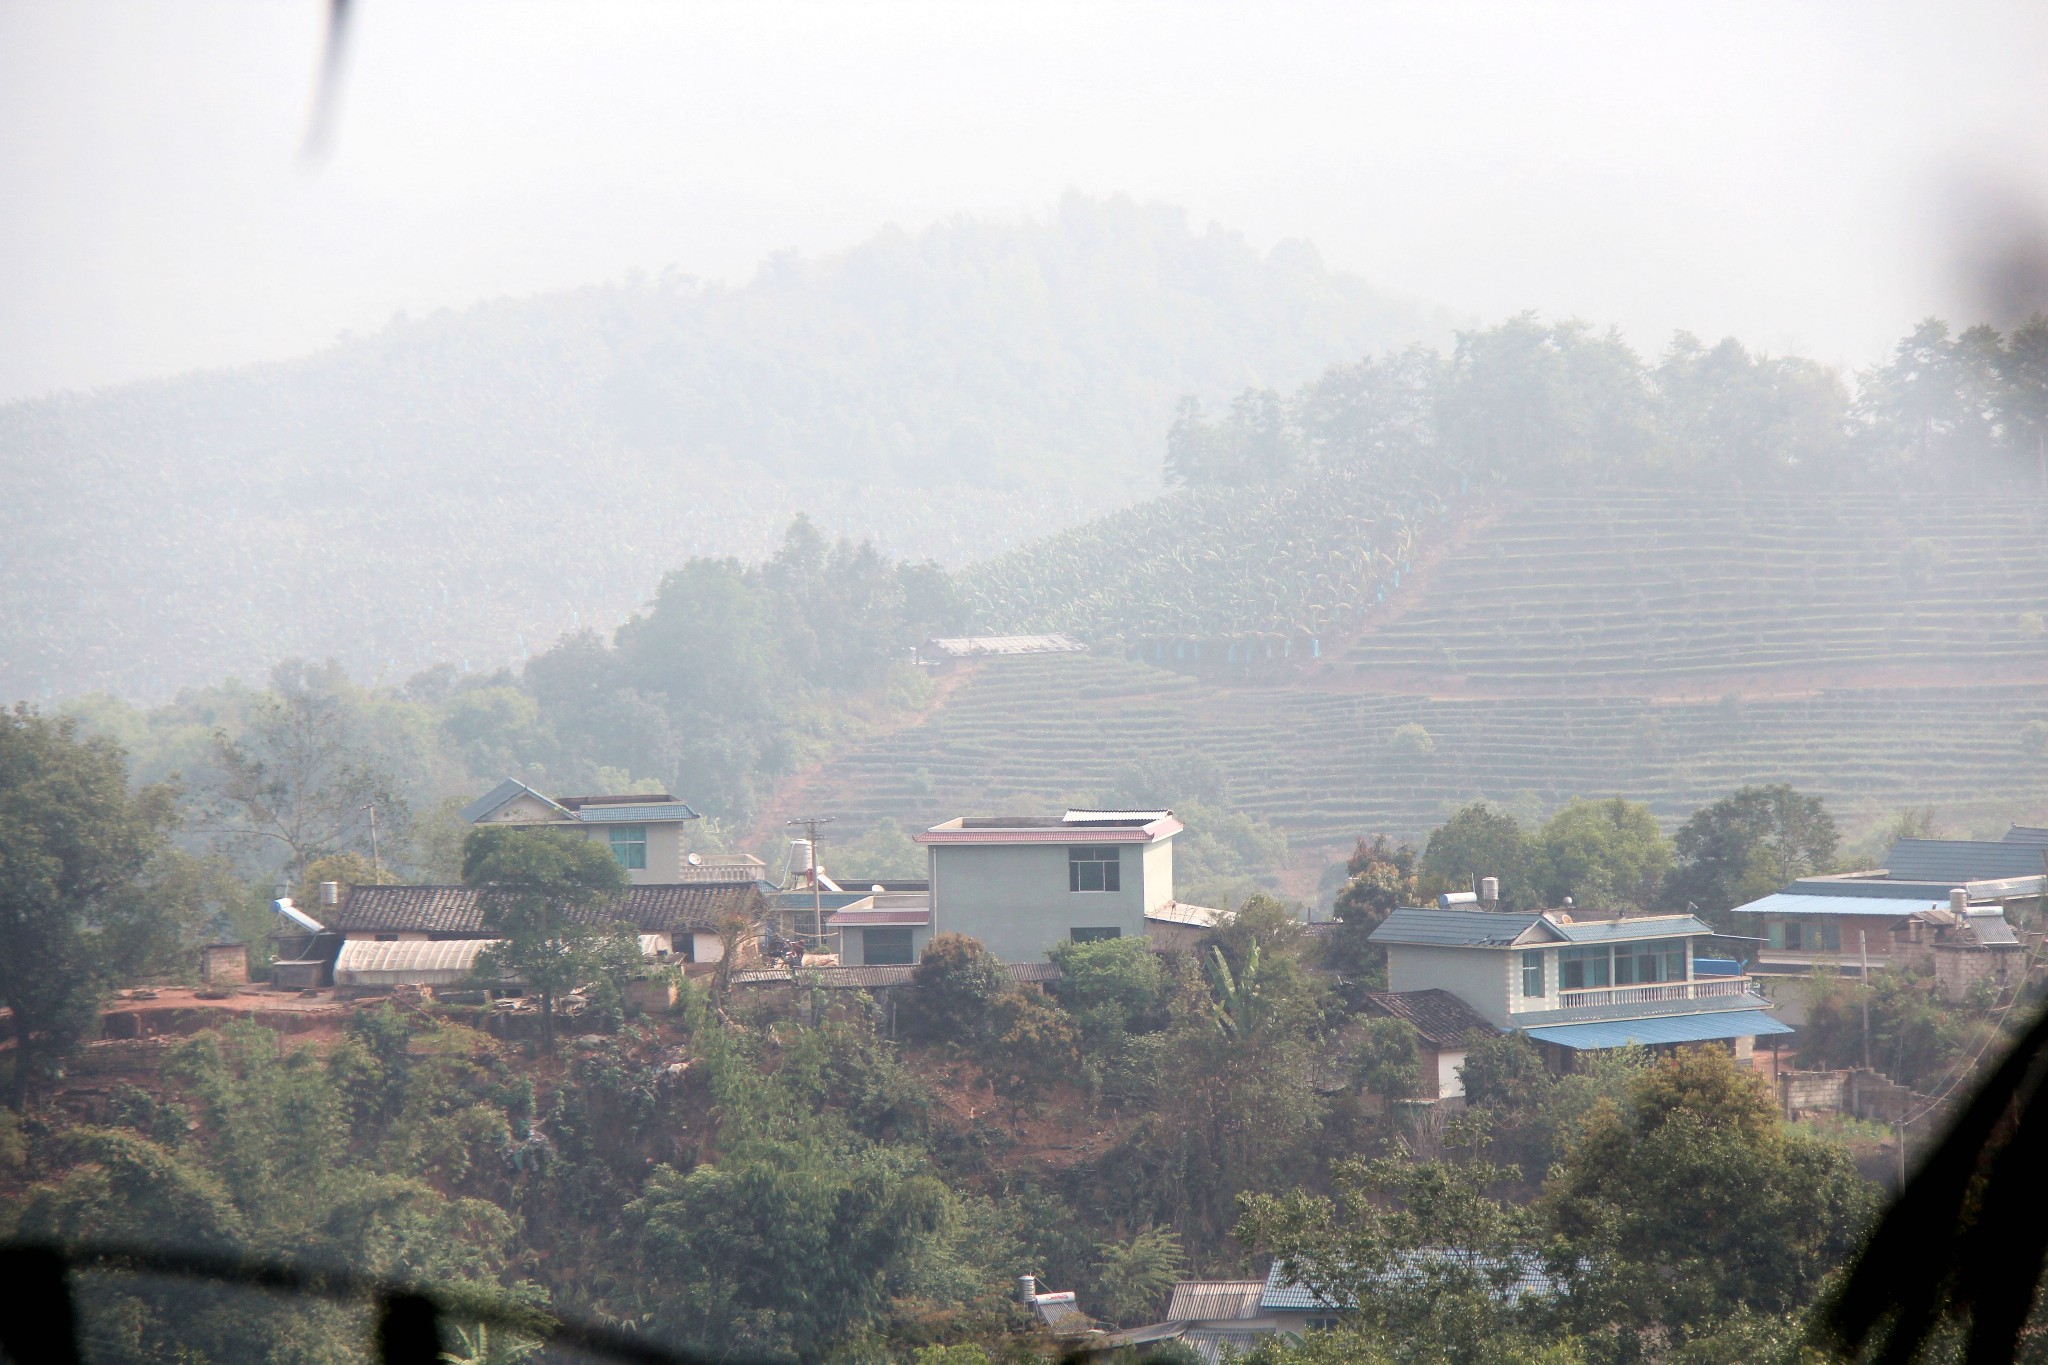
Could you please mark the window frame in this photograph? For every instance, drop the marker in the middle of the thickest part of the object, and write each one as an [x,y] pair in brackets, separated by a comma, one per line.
[889,931]
[1104,861]
[1584,956]
[1532,961]
[626,847]
[1094,935]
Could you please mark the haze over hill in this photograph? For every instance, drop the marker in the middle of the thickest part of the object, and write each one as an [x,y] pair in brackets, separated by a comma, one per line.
[465,487]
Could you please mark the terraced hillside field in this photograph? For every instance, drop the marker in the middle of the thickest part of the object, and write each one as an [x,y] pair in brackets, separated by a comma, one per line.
[1326,765]
[1643,588]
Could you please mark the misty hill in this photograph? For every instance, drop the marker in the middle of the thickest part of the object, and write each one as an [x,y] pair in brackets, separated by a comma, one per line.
[467,486]
[1325,763]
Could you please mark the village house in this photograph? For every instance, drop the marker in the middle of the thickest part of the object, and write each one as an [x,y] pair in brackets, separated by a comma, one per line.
[643,831]
[1943,905]
[1574,983]
[1445,1029]
[1023,884]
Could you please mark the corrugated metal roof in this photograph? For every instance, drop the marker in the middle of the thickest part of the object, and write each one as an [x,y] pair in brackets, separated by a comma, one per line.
[368,962]
[1214,1300]
[1196,916]
[1669,1028]
[662,907]
[1214,1345]
[1509,1279]
[634,815]
[1794,903]
[1962,860]
[1632,927]
[856,919]
[1451,928]
[2026,834]
[970,646]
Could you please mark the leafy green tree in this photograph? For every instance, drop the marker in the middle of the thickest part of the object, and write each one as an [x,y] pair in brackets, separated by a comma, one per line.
[542,892]
[1749,844]
[960,985]
[1133,1276]
[1381,878]
[1604,854]
[1418,1251]
[1916,1038]
[1110,986]
[782,1244]
[1694,1203]
[1385,1060]
[81,862]
[1480,841]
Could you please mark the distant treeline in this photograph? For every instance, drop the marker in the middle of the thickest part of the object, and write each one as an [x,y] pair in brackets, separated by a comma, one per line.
[1529,398]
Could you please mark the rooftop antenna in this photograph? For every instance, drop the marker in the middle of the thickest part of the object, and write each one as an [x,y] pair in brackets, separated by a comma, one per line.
[810,824]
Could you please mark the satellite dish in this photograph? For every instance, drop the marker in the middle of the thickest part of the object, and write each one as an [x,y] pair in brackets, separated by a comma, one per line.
[877,887]
[696,860]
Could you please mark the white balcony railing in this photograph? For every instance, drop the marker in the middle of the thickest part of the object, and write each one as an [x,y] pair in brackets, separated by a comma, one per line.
[1707,988]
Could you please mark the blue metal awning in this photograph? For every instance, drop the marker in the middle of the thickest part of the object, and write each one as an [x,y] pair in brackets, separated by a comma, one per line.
[1666,1028]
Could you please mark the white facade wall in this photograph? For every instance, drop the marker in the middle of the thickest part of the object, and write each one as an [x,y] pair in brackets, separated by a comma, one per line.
[1478,976]
[1014,897]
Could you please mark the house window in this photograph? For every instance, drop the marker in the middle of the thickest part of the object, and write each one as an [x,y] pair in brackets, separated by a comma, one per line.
[1797,936]
[885,948]
[629,846]
[1532,974]
[1653,960]
[1095,869]
[1323,1324]
[1581,969]
[1093,935]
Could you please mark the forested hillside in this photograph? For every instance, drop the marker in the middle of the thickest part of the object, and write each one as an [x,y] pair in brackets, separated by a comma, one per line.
[463,488]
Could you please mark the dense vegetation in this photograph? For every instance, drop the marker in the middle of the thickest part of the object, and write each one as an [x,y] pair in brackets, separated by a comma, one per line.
[464,487]
[1299,510]
[785,1175]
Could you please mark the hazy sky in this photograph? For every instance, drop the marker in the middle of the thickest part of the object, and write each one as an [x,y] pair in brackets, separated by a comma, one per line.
[1799,175]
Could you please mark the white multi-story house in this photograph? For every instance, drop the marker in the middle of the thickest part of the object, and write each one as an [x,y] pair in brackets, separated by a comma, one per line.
[1575,983]
[1023,884]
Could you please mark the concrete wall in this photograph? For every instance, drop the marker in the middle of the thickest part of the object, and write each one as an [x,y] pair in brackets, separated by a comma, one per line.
[1014,897]
[1157,862]
[1478,976]
[853,950]
[1958,967]
[664,851]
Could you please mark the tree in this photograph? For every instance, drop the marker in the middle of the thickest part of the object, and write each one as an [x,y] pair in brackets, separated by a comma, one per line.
[1694,1203]
[1480,841]
[298,781]
[959,985]
[1132,1277]
[1606,855]
[542,892]
[1385,1059]
[1418,1250]
[783,1244]
[1749,844]
[1381,877]
[78,855]
[1108,986]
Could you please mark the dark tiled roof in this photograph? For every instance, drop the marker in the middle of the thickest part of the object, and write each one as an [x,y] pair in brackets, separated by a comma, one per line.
[637,799]
[1962,860]
[1443,1020]
[454,909]
[1451,928]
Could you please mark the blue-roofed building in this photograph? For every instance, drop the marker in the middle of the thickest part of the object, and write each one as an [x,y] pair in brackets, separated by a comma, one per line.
[1934,901]
[1579,984]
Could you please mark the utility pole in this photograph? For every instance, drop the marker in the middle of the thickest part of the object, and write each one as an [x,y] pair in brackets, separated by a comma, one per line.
[1863,952]
[810,824]
[375,861]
